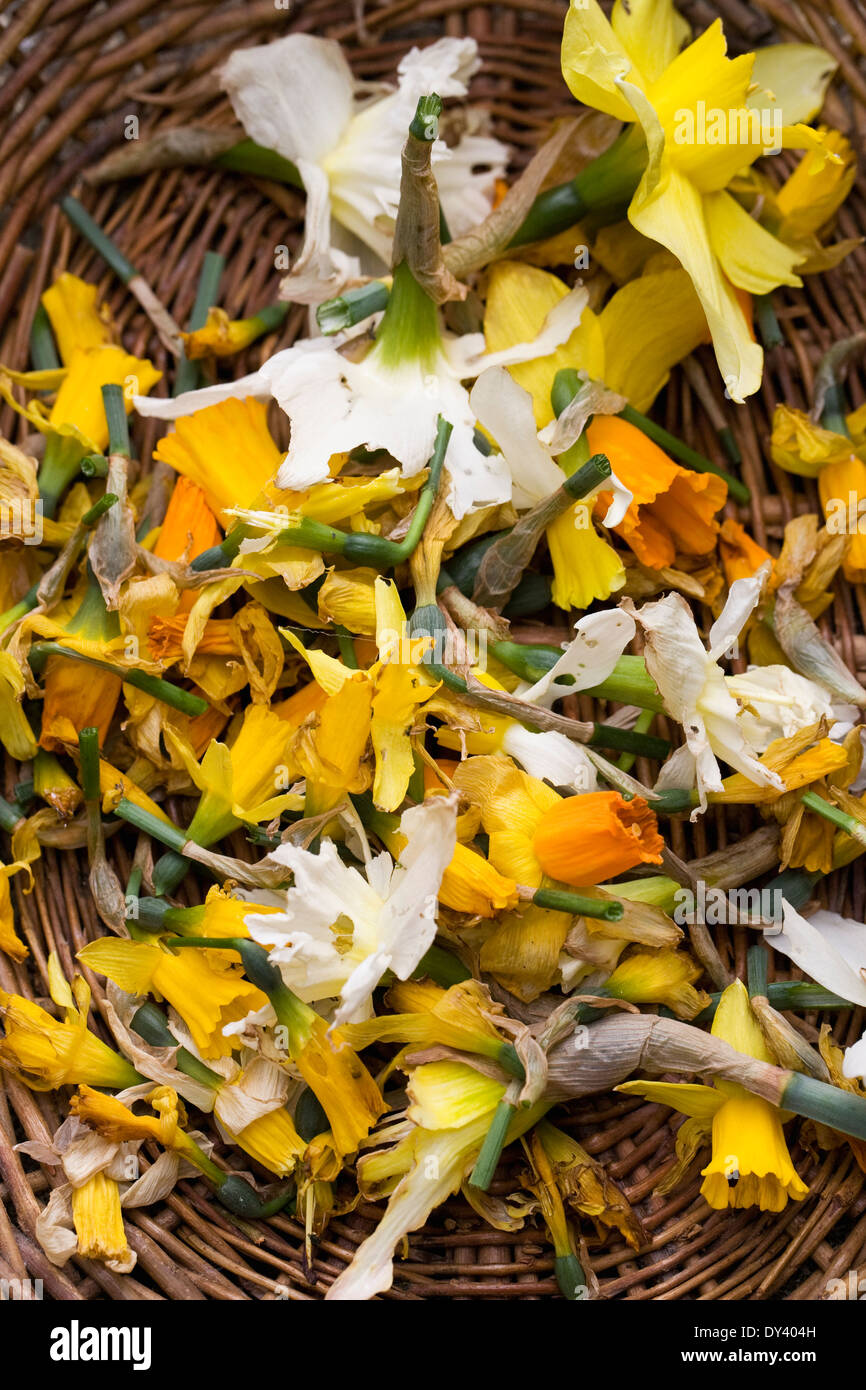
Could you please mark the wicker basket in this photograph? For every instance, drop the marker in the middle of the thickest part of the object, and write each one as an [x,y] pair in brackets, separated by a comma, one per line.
[70,73]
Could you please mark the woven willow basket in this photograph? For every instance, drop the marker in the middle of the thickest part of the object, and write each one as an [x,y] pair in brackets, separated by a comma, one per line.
[71,71]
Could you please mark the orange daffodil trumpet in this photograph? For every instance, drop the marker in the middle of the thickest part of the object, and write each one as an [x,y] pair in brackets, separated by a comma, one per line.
[704,118]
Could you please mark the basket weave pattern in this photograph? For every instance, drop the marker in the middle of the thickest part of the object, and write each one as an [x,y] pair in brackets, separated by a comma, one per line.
[71,73]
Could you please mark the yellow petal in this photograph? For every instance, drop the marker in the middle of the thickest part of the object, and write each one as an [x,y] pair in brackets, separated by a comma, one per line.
[593,57]
[751,258]
[648,326]
[652,32]
[78,320]
[519,298]
[585,566]
[701,1102]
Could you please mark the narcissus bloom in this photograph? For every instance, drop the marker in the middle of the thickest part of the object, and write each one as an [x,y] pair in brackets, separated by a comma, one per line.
[452,1106]
[392,398]
[298,96]
[632,69]
[208,446]
[589,839]
[750,1164]
[673,509]
[706,703]
[78,320]
[342,929]
[207,990]
[45,1053]
[665,977]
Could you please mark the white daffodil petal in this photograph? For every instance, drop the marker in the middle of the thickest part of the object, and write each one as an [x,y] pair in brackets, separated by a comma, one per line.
[294,95]
[551,757]
[589,658]
[743,598]
[504,408]
[817,955]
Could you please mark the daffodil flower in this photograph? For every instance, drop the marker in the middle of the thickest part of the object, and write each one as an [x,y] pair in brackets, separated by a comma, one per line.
[298,97]
[431,1152]
[708,704]
[631,68]
[45,1053]
[342,929]
[205,988]
[391,399]
[750,1164]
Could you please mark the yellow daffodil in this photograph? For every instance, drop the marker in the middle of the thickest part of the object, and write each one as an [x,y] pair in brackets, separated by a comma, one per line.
[76,423]
[470,884]
[513,805]
[673,509]
[205,987]
[644,329]
[741,555]
[380,704]
[45,1053]
[240,783]
[222,336]
[524,950]
[113,1120]
[98,1220]
[459,1017]
[585,1185]
[665,977]
[77,318]
[227,449]
[10,942]
[15,731]
[348,597]
[703,123]
[750,1163]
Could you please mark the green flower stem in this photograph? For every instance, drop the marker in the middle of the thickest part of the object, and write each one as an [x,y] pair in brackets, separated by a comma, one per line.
[409,331]
[10,815]
[628,684]
[641,726]
[352,307]
[578,905]
[441,967]
[150,1024]
[94,466]
[105,504]
[364,548]
[630,741]
[603,189]
[757,961]
[570,1277]
[833,414]
[684,452]
[151,825]
[827,1104]
[60,463]
[768,325]
[188,375]
[846,822]
[43,349]
[88,751]
[118,425]
[21,608]
[728,441]
[249,158]
[220,556]
[92,232]
[491,1150]
[169,871]
[161,689]
[797,995]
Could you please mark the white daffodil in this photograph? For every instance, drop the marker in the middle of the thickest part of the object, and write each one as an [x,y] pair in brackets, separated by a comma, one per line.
[342,929]
[390,400]
[298,97]
[710,705]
